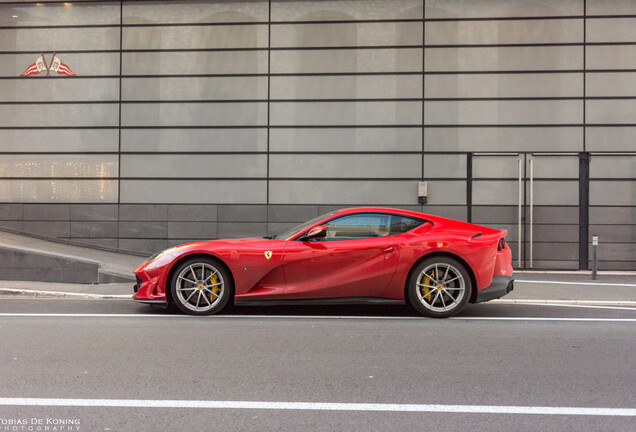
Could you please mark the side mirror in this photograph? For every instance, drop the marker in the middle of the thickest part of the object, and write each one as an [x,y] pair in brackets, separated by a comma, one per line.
[317,232]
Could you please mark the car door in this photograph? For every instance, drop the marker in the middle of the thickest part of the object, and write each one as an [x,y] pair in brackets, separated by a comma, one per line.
[357,258]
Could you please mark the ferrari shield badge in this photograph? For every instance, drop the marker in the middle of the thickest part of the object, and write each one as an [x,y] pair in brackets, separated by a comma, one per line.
[268,254]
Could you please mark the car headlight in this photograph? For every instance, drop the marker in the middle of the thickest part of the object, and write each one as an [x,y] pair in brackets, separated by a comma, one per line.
[158,254]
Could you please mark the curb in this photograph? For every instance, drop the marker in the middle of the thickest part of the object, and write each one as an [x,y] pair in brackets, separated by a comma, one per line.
[567,302]
[39,293]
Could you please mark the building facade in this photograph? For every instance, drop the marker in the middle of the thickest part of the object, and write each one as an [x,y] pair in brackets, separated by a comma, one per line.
[209,119]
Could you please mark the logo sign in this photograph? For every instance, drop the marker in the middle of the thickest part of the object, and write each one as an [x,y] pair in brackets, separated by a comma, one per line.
[40,65]
[268,254]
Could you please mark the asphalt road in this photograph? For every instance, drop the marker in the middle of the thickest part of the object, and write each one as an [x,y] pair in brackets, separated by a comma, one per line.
[138,368]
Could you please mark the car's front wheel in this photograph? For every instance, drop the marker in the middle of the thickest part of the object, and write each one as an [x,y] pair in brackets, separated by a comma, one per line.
[439,287]
[201,286]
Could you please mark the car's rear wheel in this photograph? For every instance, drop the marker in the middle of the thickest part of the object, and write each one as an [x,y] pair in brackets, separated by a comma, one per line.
[201,286]
[439,287]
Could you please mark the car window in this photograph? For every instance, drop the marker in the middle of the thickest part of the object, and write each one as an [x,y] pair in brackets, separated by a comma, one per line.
[357,226]
[401,224]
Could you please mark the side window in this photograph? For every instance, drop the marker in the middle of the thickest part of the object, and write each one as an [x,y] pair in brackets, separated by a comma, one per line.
[358,226]
[401,224]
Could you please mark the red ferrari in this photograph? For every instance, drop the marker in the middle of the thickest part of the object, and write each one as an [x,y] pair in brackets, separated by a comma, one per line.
[436,265]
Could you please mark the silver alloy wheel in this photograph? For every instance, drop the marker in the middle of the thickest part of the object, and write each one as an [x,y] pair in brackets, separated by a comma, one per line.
[200,286]
[441,287]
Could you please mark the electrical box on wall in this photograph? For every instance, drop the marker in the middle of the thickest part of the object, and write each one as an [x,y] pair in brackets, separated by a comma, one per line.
[422,192]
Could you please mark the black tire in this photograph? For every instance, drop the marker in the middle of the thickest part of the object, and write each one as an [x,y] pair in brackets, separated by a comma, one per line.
[201,286]
[443,295]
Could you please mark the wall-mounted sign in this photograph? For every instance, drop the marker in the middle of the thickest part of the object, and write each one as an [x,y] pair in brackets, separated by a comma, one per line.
[40,65]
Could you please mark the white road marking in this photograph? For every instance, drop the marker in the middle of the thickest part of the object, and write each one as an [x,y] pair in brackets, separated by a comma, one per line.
[43,293]
[574,304]
[517,281]
[321,406]
[307,317]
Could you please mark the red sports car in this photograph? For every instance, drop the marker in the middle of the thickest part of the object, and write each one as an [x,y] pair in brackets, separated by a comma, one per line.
[435,264]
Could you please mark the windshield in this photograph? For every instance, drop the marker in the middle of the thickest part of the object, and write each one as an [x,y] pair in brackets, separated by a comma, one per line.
[298,228]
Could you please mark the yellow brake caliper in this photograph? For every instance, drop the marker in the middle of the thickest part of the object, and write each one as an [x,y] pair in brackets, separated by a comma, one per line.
[426,292]
[215,289]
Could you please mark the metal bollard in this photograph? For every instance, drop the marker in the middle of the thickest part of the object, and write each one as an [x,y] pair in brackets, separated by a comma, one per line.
[594,261]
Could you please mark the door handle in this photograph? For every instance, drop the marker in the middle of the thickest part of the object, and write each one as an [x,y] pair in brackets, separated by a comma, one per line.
[389,249]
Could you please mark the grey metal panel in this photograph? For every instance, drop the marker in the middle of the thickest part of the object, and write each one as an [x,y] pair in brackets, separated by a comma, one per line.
[208,88]
[346,9]
[94,212]
[148,246]
[556,233]
[504,58]
[94,229]
[193,213]
[11,211]
[346,87]
[60,40]
[610,111]
[559,193]
[188,230]
[195,12]
[610,84]
[504,32]
[556,214]
[444,165]
[446,192]
[342,192]
[11,225]
[29,115]
[343,60]
[495,166]
[346,139]
[194,191]
[82,64]
[347,166]
[611,30]
[47,212]
[556,251]
[48,228]
[347,34]
[66,165]
[197,62]
[501,8]
[37,90]
[488,214]
[613,167]
[58,14]
[612,215]
[495,192]
[193,140]
[66,191]
[614,234]
[503,112]
[345,113]
[555,166]
[143,229]
[621,138]
[557,264]
[493,139]
[197,166]
[617,252]
[241,229]
[111,243]
[195,37]
[611,57]
[621,193]
[293,214]
[457,212]
[67,140]
[610,7]
[242,213]
[504,85]
[194,114]
[152,212]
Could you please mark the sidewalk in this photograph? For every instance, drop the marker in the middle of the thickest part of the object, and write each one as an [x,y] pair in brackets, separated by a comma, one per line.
[609,287]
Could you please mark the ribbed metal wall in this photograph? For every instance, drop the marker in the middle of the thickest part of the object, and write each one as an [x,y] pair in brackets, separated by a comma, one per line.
[191,120]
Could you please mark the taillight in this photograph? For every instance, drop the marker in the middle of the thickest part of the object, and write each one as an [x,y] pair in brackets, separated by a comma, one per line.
[501,245]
